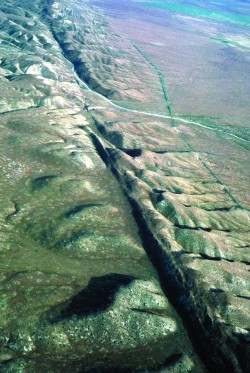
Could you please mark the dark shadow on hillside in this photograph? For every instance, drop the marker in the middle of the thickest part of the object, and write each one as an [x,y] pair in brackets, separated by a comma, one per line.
[99,294]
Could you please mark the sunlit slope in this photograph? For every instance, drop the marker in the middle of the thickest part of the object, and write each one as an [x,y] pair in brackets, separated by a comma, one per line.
[78,291]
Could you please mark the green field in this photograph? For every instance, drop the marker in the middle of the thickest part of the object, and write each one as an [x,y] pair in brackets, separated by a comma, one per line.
[199,11]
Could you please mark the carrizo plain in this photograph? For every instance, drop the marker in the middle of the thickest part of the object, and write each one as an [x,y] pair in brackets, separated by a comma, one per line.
[124,186]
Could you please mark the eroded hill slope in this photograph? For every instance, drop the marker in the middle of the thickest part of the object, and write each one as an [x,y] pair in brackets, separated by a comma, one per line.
[78,289]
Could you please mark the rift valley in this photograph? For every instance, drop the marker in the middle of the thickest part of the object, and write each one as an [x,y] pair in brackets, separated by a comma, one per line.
[124,238]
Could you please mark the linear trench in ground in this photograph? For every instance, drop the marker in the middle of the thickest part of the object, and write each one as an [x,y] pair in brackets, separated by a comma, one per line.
[164,262]
[171,115]
[171,280]
[149,243]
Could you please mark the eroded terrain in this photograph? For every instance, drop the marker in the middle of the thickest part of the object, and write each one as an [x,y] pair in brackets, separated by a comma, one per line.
[121,248]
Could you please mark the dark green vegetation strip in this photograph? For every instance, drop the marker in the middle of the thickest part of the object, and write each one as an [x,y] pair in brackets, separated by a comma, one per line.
[161,79]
